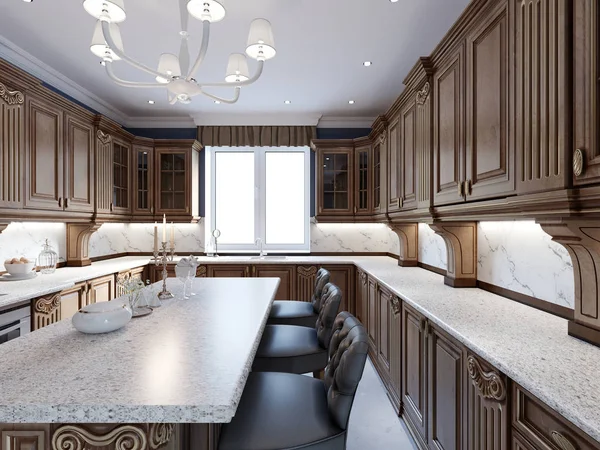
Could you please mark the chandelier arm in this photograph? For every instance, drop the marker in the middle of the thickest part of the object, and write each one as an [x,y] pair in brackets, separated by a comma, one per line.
[235,98]
[111,43]
[120,82]
[203,49]
[249,81]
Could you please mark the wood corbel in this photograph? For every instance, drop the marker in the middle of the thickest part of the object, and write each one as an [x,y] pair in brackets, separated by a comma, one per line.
[3,227]
[408,234]
[78,239]
[461,248]
[581,238]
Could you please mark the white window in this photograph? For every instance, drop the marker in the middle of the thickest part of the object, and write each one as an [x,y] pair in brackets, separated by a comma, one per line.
[258,192]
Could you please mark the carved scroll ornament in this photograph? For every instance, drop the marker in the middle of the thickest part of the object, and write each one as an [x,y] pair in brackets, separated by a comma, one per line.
[307,271]
[160,434]
[46,305]
[123,437]
[11,97]
[490,384]
[423,94]
[201,271]
[103,137]
[395,303]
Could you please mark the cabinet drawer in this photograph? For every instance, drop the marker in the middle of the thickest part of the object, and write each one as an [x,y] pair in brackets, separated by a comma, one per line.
[544,428]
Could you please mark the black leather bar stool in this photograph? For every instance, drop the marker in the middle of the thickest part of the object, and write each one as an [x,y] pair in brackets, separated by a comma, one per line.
[294,312]
[288,411]
[298,349]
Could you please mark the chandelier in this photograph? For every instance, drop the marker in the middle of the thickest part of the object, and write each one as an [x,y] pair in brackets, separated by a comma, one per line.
[174,71]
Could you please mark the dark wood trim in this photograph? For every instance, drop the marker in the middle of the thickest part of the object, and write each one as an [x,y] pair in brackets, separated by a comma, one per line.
[584,333]
[542,305]
[114,255]
[434,269]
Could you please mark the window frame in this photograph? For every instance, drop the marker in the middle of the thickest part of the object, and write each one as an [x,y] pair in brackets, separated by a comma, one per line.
[259,200]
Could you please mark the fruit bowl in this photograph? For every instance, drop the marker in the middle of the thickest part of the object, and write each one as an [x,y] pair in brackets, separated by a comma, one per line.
[19,267]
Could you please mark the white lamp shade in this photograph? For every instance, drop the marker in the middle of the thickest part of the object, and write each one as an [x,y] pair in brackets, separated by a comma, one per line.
[99,47]
[237,68]
[168,64]
[261,44]
[206,10]
[115,8]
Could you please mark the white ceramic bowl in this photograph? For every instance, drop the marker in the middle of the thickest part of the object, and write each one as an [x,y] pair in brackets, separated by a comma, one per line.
[102,317]
[19,270]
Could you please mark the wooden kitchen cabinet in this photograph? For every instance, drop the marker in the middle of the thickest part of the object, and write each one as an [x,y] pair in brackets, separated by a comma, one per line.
[12,151]
[72,300]
[102,289]
[363,178]
[414,373]
[377,188]
[306,276]
[44,176]
[285,273]
[143,179]
[121,177]
[229,270]
[138,273]
[445,371]
[371,324]
[490,157]
[335,178]
[586,95]
[362,296]
[394,169]
[342,275]
[177,169]
[79,165]
[389,326]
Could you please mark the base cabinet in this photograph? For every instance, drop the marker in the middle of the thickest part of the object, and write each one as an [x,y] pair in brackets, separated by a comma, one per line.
[102,289]
[229,271]
[362,296]
[342,275]
[286,275]
[72,300]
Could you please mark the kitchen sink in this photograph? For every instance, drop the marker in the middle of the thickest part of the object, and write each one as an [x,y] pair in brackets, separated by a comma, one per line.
[270,257]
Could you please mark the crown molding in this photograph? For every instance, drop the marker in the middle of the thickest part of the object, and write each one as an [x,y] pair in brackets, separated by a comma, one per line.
[208,119]
[32,65]
[159,122]
[345,122]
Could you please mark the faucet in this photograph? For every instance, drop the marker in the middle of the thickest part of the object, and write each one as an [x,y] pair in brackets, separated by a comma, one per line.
[259,242]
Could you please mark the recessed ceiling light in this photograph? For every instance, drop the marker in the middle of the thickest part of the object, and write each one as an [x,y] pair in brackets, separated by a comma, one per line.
[102,63]
[393,1]
[151,102]
[367,63]
[351,102]
[217,102]
[287,102]
[28,1]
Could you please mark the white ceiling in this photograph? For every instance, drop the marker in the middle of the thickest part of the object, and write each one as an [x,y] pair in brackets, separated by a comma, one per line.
[321,46]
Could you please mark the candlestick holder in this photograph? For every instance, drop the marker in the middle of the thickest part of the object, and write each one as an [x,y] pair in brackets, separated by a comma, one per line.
[162,257]
[172,254]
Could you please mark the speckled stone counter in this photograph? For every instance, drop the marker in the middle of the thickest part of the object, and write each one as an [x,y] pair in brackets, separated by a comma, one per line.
[185,363]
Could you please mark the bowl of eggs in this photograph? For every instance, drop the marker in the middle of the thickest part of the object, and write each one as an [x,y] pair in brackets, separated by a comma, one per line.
[19,267]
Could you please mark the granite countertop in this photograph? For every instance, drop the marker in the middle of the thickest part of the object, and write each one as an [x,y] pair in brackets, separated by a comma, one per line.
[185,363]
[530,346]
[63,278]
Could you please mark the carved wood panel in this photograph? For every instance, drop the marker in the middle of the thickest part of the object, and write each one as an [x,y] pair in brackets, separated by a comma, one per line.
[102,289]
[487,414]
[286,275]
[372,331]
[449,142]
[79,165]
[17,439]
[104,172]
[395,355]
[45,310]
[424,150]
[12,147]
[342,275]
[586,95]
[540,37]
[44,144]
[394,166]
[414,372]
[489,161]
[305,282]
[408,155]
[445,405]
[384,343]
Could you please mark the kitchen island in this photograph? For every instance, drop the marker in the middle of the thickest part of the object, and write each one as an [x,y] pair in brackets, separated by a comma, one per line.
[186,363]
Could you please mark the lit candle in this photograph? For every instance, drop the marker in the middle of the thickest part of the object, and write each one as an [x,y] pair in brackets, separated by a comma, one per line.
[164,228]
[172,235]
[155,238]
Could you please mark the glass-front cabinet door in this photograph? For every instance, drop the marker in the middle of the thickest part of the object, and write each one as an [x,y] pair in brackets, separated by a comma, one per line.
[173,182]
[143,180]
[362,164]
[120,184]
[335,181]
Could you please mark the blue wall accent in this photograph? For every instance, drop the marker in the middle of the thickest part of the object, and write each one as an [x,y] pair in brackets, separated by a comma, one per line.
[68,97]
[165,133]
[342,133]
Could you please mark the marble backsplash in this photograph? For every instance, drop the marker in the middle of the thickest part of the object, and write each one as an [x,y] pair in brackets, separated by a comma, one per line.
[521,257]
[432,248]
[26,239]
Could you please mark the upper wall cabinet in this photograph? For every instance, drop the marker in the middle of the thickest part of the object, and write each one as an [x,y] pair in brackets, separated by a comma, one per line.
[345,184]
[143,179]
[121,177]
[586,95]
[79,165]
[489,161]
[45,157]
[539,42]
[12,147]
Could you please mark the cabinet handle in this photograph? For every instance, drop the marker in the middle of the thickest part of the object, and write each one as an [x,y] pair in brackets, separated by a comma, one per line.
[66,202]
[469,187]
[60,202]
[111,206]
[355,209]
[152,209]
[461,191]
[400,203]
[562,442]
[247,271]
[422,324]
[253,271]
